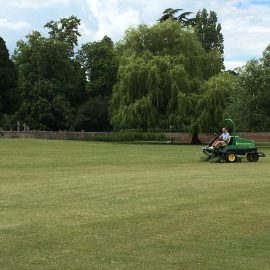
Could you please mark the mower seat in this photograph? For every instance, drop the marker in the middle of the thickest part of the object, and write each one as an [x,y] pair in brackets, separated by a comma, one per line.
[230,141]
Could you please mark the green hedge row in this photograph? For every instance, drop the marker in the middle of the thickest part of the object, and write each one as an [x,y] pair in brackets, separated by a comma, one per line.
[128,136]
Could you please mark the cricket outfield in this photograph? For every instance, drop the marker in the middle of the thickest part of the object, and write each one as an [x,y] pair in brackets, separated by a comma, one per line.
[93,205]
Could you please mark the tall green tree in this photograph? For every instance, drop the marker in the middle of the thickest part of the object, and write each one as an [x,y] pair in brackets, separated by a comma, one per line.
[208,31]
[173,15]
[99,61]
[161,68]
[8,81]
[205,24]
[169,14]
[100,64]
[251,96]
[65,30]
[51,82]
[205,109]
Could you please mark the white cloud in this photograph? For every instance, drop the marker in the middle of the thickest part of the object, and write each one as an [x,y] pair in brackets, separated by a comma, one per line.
[8,25]
[245,29]
[37,4]
[113,17]
[231,65]
[259,30]
[87,34]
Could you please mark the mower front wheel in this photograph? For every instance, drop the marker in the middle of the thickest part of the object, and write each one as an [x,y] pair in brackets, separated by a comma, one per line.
[231,157]
[253,157]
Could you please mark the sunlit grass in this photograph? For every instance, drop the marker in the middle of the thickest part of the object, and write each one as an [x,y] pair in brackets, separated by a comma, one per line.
[87,205]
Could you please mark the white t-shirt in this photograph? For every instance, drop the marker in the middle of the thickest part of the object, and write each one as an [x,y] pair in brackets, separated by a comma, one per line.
[225,136]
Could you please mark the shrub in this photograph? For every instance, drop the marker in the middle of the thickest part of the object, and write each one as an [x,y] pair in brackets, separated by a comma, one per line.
[128,136]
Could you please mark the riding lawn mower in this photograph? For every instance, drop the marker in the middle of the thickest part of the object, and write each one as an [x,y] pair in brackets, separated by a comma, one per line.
[235,148]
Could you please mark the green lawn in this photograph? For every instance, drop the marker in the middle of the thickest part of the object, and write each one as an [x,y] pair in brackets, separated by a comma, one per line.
[87,205]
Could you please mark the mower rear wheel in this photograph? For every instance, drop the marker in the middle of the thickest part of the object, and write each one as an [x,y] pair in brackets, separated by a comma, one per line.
[253,157]
[231,157]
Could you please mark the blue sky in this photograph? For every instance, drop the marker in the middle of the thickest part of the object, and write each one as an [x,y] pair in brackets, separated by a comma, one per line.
[245,23]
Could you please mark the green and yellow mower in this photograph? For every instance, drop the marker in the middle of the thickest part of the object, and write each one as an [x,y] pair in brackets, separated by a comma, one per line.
[235,148]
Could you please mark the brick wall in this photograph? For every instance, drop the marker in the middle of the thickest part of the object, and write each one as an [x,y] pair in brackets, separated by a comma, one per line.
[52,135]
[186,137]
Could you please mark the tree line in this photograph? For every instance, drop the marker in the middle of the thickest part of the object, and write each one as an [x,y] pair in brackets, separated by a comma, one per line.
[169,75]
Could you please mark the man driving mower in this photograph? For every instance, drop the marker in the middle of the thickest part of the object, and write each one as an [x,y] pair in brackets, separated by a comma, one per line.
[222,140]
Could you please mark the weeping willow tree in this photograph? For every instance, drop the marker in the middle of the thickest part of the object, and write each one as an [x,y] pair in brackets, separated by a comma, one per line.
[216,94]
[162,68]
[146,96]
[205,110]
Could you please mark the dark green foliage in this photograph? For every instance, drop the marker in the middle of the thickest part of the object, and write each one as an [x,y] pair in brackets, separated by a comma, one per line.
[183,18]
[205,25]
[130,136]
[45,107]
[9,97]
[251,96]
[208,31]
[169,14]
[6,75]
[51,83]
[100,64]
[65,30]
[93,114]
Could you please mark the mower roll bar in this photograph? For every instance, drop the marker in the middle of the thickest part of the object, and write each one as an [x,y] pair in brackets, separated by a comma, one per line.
[230,122]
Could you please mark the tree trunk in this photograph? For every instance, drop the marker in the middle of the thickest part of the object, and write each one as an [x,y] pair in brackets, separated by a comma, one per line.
[195,138]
